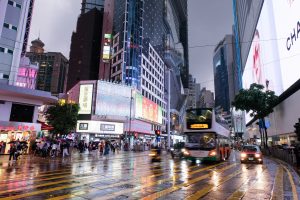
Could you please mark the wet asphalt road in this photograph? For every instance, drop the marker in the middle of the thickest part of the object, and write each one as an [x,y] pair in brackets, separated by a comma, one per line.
[130,175]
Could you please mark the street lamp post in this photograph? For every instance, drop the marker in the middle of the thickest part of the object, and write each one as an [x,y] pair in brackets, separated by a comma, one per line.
[130,118]
[168,112]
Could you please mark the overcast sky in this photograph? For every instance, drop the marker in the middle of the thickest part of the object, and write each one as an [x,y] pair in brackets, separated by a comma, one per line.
[209,21]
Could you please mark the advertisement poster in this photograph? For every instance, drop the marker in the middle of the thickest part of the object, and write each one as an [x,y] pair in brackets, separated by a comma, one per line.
[147,109]
[85,99]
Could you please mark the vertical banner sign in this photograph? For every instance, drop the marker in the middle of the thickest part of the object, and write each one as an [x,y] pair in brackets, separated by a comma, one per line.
[85,99]
[106,48]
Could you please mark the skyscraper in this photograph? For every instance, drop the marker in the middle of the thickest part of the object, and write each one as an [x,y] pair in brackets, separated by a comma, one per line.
[145,32]
[15,17]
[224,73]
[85,48]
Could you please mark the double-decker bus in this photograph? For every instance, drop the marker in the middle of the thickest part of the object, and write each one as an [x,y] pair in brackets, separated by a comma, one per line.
[206,140]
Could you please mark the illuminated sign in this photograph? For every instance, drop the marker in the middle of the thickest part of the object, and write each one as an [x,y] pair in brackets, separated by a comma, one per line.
[106,55]
[147,109]
[15,126]
[85,99]
[198,126]
[273,58]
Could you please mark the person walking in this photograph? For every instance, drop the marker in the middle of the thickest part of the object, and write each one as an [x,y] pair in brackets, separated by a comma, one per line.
[65,149]
[106,148]
[101,147]
[12,151]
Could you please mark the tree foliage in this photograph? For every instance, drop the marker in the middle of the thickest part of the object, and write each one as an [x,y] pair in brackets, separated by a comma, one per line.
[258,102]
[63,117]
[255,100]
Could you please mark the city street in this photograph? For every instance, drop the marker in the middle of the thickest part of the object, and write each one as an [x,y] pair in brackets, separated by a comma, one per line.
[131,175]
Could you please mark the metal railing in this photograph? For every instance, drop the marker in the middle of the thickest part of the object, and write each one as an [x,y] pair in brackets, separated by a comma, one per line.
[287,155]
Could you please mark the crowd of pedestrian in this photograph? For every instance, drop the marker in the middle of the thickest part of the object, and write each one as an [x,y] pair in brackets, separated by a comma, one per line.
[54,148]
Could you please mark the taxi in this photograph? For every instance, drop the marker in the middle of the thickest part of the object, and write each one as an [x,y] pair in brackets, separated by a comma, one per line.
[251,153]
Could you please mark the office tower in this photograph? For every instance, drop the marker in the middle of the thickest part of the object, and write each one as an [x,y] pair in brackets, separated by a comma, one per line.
[224,78]
[85,48]
[53,68]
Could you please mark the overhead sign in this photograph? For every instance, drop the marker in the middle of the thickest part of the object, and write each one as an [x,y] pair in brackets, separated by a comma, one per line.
[85,99]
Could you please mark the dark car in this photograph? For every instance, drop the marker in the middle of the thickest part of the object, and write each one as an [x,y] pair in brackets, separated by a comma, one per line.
[251,153]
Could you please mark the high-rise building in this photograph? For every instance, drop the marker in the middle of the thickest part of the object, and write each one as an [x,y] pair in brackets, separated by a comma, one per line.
[106,50]
[85,48]
[206,99]
[53,68]
[224,76]
[87,5]
[191,102]
[15,17]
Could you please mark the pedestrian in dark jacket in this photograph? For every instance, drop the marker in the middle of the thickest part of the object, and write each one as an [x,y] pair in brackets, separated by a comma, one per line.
[12,151]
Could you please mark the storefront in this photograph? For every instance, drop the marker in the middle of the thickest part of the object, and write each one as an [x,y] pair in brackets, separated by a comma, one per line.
[99,130]
[13,131]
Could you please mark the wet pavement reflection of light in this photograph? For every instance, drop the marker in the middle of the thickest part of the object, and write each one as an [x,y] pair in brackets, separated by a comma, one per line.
[132,175]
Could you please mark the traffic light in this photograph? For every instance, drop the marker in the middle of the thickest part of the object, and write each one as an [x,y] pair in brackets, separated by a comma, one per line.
[297,129]
[157,132]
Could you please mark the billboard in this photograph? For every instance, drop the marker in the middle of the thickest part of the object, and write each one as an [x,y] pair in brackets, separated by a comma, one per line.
[113,99]
[274,56]
[85,99]
[147,109]
[106,48]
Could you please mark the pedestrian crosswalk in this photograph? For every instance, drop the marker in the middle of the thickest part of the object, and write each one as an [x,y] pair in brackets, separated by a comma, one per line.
[133,176]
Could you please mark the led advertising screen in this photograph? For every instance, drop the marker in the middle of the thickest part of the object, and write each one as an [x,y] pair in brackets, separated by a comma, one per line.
[85,99]
[106,48]
[113,99]
[147,109]
[274,56]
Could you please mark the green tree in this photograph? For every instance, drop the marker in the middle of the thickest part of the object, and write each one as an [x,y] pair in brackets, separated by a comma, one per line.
[258,102]
[62,117]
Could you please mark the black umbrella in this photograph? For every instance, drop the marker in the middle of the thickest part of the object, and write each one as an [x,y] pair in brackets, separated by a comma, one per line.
[10,142]
[23,142]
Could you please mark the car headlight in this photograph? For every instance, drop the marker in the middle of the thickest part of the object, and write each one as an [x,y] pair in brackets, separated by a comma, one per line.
[172,149]
[257,155]
[183,150]
[243,155]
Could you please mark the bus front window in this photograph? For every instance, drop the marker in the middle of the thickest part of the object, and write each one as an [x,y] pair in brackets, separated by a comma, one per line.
[206,141]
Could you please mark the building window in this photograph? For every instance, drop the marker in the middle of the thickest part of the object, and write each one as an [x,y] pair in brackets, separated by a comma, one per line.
[2,49]
[10,51]
[6,25]
[14,4]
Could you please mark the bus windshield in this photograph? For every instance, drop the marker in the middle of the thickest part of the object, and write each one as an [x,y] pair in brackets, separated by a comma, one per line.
[202,141]
[198,118]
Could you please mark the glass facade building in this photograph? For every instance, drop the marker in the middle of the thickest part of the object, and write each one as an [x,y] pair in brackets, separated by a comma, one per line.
[88,5]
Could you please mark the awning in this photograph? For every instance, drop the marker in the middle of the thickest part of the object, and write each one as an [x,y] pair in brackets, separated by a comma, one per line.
[45,126]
